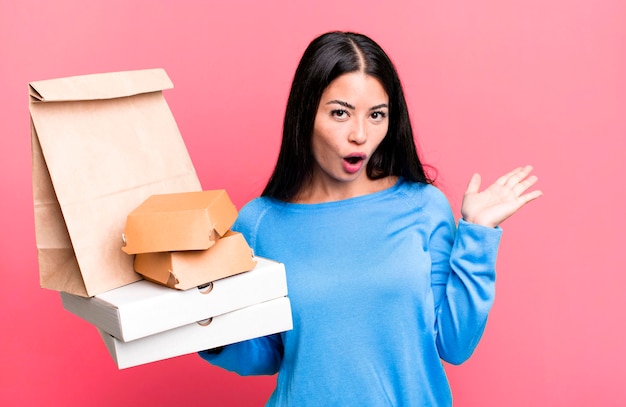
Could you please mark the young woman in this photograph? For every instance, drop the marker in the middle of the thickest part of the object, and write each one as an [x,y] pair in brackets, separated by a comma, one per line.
[383,283]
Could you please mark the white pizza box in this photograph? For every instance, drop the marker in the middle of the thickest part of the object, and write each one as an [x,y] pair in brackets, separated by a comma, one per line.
[258,320]
[144,308]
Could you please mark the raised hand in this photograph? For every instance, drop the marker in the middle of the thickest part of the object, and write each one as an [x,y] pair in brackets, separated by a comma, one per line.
[501,199]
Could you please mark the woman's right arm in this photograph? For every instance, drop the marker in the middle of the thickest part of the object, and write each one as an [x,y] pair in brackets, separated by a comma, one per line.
[260,356]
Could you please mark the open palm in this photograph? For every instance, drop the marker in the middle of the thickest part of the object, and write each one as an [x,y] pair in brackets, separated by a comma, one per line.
[501,199]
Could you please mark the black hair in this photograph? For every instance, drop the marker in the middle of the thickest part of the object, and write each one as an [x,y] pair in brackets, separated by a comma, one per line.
[326,58]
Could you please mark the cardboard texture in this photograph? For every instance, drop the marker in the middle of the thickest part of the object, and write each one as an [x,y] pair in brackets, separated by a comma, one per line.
[143,308]
[101,145]
[262,319]
[186,269]
[177,222]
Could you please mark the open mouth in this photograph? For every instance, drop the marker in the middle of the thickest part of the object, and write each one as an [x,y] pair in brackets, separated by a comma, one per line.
[353,160]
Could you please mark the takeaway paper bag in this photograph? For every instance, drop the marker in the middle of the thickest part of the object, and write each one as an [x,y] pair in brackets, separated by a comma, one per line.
[101,145]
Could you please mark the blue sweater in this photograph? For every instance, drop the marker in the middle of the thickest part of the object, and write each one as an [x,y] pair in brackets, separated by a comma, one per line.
[382,286]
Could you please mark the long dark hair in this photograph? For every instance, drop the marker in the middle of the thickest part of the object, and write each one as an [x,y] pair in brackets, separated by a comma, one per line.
[327,57]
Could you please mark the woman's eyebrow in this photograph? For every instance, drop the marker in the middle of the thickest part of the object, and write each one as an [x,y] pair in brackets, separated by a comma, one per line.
[341,102]
[349,106]
[382,105]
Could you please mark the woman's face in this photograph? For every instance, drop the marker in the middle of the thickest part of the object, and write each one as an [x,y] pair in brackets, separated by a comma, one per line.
[351,121]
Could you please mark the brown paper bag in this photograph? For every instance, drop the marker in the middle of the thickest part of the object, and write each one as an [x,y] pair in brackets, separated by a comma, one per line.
[101,145]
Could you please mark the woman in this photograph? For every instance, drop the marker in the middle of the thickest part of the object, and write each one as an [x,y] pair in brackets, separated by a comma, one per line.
[383,284]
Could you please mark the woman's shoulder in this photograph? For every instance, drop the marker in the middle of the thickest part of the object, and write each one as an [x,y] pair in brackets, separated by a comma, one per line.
[252,211]
[427,202]
[422,193]
[254,207]
[254,204]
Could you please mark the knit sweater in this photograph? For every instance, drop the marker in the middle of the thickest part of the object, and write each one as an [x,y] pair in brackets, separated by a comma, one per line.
[382,286]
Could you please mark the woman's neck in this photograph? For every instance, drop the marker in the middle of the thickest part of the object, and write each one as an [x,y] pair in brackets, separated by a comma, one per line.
[318,191]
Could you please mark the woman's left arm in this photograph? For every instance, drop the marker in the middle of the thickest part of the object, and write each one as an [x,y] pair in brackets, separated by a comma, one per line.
[463,279]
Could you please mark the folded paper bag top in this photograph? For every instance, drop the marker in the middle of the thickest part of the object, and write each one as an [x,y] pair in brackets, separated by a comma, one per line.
[178,222]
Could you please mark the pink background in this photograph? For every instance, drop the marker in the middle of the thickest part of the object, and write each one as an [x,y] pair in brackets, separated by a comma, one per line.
[490,85]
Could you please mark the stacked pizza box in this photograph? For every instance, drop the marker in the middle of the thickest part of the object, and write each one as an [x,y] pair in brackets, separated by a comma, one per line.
[202,286]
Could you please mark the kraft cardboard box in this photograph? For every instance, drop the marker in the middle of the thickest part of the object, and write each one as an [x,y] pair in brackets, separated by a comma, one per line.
[101,145]
[144,308]
[182,270]
[258,320]
[179,222]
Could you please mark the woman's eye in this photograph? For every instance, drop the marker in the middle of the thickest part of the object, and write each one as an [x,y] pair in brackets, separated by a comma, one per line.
[378,115]
[339,113]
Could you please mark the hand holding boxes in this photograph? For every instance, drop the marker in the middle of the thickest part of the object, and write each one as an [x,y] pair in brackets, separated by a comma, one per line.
[144,322]
[101,145]
[221,295]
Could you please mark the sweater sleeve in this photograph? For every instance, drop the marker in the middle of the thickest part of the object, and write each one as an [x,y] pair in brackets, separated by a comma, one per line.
[261,356]
[463,284]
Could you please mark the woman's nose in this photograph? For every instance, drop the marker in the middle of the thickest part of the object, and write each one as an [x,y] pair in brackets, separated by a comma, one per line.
[358,133]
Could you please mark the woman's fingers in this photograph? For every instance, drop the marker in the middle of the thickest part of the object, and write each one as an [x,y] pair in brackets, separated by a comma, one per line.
[530,197]
[474,184]
[522,186]
[506,177]
[516,177]
[501,199]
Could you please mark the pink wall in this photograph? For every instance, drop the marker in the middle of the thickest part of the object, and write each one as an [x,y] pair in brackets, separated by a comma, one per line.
[490,85]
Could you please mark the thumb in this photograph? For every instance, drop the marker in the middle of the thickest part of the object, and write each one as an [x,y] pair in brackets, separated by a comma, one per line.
[474,184]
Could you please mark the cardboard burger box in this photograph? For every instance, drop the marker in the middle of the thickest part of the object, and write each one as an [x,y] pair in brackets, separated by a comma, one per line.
[144,308]
[258,320]
[191,268]
[183,240]
[178,221]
